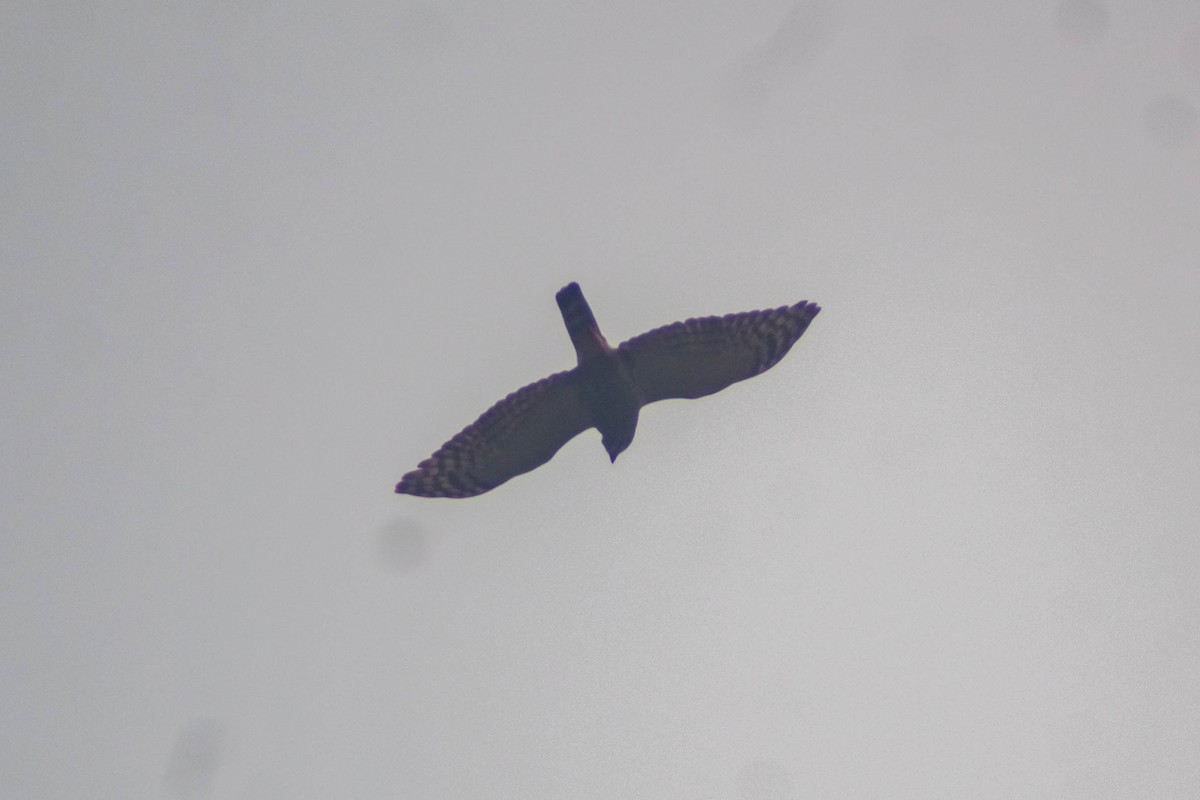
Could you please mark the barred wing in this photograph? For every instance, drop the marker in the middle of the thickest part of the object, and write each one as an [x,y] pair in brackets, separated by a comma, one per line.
[517,434]
[701,356]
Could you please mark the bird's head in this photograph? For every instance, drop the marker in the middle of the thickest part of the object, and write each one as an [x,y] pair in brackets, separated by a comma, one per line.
[615,442]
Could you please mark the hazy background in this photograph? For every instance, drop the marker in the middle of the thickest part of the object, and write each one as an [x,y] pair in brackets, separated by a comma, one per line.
[259,259]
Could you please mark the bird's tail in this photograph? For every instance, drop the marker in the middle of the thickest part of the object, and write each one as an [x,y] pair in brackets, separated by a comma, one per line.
[581,323]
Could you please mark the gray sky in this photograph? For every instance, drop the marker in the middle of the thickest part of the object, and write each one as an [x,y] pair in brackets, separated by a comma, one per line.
[259,259]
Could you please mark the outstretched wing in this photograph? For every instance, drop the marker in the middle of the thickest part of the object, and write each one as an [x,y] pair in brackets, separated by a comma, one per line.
[701,356]
[521,432]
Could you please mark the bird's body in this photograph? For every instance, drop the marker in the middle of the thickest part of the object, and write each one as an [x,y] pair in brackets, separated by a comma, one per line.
[605,390]
[605,385]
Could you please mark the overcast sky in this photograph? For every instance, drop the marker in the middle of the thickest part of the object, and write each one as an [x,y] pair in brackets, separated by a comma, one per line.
[259,259]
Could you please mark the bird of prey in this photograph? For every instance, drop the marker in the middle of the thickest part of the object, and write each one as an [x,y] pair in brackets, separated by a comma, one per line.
[605,391]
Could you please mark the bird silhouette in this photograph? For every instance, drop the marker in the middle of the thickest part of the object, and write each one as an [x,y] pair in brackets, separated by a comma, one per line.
[605,391]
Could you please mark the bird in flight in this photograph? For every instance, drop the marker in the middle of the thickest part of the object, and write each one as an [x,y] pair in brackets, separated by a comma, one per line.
[605,391]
